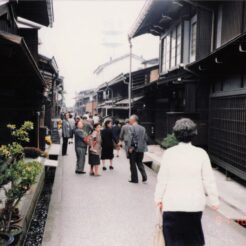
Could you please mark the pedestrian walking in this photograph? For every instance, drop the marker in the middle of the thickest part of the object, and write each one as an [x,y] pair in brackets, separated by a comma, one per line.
[125,135]
[108,142]
[88,127]
[80,148]
[184,178]
[96,118]
[95,150]
[137,145]
[90,120]
[72,124]
[116,133]
[66,133]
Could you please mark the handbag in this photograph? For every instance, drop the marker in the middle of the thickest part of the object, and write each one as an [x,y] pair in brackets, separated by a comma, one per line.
[158,233]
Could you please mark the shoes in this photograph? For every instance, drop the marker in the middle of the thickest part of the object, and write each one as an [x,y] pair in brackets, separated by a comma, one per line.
[134,182]
[144,180]
[92,174]
[104,168]
[80,172]
[111,168]
[97,175]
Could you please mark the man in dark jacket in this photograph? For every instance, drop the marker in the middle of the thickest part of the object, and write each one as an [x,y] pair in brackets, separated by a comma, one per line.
[124,135]
[66,133]
[80,148]
[137,145]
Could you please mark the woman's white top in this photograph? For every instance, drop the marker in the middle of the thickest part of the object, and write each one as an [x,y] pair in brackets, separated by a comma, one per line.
[184,178]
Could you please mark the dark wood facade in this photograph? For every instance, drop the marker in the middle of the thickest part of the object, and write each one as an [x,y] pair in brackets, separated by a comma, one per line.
[203,76]
[22,85]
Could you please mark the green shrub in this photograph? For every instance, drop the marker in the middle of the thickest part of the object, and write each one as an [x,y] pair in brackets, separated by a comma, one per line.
[169,141]
[15,172]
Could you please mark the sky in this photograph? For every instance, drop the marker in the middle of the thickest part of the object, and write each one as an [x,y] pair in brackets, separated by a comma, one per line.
[86,34]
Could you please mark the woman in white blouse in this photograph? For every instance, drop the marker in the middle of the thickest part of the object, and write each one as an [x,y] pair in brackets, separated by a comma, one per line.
[184,180]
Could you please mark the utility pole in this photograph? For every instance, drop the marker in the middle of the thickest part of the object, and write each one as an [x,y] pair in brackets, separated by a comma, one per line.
[130,78]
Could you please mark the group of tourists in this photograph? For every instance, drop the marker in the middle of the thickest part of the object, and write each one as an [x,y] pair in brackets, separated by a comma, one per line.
[100,141]
[184,180]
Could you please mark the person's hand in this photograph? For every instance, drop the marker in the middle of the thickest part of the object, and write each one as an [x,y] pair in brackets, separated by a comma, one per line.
[159,205]
[130,150]
[215,207]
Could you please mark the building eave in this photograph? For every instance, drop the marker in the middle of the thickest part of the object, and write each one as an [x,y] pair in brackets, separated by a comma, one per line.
[39,11]
[155,16]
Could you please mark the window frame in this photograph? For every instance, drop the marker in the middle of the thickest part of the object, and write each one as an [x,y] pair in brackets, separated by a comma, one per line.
[172,60]
[193,21]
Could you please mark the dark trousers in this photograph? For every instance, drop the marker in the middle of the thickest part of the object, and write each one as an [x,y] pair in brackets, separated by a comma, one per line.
[80,154]
[136,160]
[64,145]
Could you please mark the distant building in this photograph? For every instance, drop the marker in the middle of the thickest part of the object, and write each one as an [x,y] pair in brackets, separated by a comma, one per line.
[85,101]
[113,100]
[108,70]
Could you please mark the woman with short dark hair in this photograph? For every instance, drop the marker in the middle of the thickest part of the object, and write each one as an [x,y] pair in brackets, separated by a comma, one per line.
[116,133]
[185,176]
[95,150]
[107,144]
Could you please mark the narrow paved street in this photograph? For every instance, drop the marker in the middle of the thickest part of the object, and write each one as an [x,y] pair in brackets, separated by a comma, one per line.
[108,211]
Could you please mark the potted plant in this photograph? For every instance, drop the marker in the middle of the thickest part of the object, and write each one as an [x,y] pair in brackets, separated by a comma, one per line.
[16,178]
[23,176]
[6,239]
[169,141]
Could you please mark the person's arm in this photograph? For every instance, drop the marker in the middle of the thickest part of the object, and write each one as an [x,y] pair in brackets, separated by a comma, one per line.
[146,138]
[209,182]
[114,138]
[93,140]
[162,180]
[122,133]
[130,147]
[91,128]
[63,128]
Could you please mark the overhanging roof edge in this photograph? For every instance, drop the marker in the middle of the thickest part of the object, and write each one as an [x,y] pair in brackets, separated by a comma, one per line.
[146,8]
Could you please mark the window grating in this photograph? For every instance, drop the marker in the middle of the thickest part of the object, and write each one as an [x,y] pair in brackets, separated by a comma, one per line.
[227,132]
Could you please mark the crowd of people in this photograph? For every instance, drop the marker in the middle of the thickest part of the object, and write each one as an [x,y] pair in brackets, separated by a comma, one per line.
[101,139]
[184,180]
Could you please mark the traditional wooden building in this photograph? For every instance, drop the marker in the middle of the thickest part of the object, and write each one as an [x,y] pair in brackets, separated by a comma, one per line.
[202,56]
[113,98]
[22,84]
[86,102]
[53,89]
